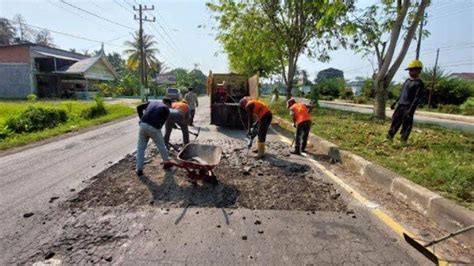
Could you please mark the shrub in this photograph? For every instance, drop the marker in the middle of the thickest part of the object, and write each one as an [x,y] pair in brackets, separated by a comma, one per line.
[327,98]
[32,97]
[314,95]
[468,106]
[452,91]
[36,118]
[347,94]
[5,132]
[449,109]
[331,86]
[360,100]
[95,111]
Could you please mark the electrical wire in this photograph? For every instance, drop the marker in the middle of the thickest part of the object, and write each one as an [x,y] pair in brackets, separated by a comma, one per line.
[66,34]
[95,15]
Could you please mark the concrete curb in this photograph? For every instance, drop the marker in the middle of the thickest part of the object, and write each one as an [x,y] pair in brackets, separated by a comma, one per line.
[447,214]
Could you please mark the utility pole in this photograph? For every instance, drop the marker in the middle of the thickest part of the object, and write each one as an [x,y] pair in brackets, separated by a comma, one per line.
[420,34]
[434,78]
[140,18]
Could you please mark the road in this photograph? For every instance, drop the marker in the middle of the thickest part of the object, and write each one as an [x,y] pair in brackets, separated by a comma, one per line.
[150,235]
[463,126]
[32,177]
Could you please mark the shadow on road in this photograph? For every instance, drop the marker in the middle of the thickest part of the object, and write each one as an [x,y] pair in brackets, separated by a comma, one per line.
[205,195]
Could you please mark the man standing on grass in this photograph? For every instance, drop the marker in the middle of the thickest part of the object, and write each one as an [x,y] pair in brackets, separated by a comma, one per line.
[301,117]
[410,96]
[179,113]
[192,100]
[152,117]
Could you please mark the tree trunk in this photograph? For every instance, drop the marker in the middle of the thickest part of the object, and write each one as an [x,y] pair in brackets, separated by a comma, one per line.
[380,98]
[291,75]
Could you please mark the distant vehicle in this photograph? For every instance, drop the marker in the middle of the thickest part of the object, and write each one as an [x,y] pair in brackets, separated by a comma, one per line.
[173,94]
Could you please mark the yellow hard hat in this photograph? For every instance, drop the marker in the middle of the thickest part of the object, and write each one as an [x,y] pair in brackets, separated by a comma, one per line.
[415,64]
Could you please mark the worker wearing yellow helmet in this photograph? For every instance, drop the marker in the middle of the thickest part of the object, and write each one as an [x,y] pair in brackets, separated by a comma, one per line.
[411,95]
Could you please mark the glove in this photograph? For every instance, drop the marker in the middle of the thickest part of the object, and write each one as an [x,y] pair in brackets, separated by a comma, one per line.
[393,106]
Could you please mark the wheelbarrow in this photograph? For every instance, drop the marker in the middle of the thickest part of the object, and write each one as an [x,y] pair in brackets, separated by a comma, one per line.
[199,160]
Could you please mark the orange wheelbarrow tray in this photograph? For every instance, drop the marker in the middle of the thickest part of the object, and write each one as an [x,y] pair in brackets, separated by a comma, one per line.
[199,160]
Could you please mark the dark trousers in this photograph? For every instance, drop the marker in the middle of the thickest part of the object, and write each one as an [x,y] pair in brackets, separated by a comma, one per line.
[404,118]
[263,126]
[191,116]
[302,133]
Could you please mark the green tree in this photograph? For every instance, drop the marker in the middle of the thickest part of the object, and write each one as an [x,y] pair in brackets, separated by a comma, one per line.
[7,32]
[378,30]
[427,76]
[133,53]
[288,28]
[245,43]
[331,86]
[117,62]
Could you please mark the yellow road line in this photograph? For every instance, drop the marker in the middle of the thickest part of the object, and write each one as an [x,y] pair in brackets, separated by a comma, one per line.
[381,215]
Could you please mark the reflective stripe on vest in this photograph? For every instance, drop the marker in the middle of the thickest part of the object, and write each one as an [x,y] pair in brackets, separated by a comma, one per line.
[301,113]
[180,106]
[260,109]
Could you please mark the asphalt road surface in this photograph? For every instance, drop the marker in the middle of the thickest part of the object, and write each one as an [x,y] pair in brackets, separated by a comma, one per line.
[463,126]
[37,181]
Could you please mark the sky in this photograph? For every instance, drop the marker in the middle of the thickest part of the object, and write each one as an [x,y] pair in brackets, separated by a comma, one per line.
[183,43]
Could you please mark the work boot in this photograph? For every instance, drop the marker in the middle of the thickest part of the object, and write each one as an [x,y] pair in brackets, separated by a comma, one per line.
[296,152]
[255,150]
[260,149]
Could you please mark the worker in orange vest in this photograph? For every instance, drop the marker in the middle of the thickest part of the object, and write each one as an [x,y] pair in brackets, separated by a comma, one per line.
[259,111]
[179,113]
[302,121]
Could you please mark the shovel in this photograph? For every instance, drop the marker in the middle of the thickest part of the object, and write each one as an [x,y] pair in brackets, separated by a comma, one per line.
[423,249]
[195,134]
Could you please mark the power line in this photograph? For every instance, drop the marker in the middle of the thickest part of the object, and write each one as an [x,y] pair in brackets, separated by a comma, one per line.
[66,34]
[97,16]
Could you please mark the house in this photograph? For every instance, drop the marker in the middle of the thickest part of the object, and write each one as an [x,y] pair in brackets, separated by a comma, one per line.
[50,72]
[464,76]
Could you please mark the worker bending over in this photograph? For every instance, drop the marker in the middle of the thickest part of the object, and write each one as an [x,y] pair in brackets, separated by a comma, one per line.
[179,113]
[152,117]
[410,96]
[302,121]
[259,111]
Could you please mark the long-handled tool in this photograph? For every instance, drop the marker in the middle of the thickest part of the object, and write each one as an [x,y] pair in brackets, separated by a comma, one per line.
[195,134]
[251,136]
[423,249]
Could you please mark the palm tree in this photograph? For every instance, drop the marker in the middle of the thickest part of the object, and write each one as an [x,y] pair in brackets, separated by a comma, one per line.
[133,53]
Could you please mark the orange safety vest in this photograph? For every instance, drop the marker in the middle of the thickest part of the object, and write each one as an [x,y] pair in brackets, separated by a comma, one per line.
[260,109]
[301,113]
[180,106]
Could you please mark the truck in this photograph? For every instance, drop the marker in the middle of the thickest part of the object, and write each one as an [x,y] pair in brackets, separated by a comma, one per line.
[225,91]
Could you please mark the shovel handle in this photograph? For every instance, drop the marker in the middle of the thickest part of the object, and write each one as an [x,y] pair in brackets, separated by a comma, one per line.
[460,231]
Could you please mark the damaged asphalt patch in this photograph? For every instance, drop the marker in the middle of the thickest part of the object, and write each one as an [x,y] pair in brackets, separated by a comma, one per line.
[280,182]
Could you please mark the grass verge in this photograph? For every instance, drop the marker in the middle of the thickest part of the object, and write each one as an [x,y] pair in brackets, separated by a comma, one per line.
[75,122]
[437,158]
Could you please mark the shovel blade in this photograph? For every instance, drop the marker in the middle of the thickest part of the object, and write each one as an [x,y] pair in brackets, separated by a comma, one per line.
[421,248]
